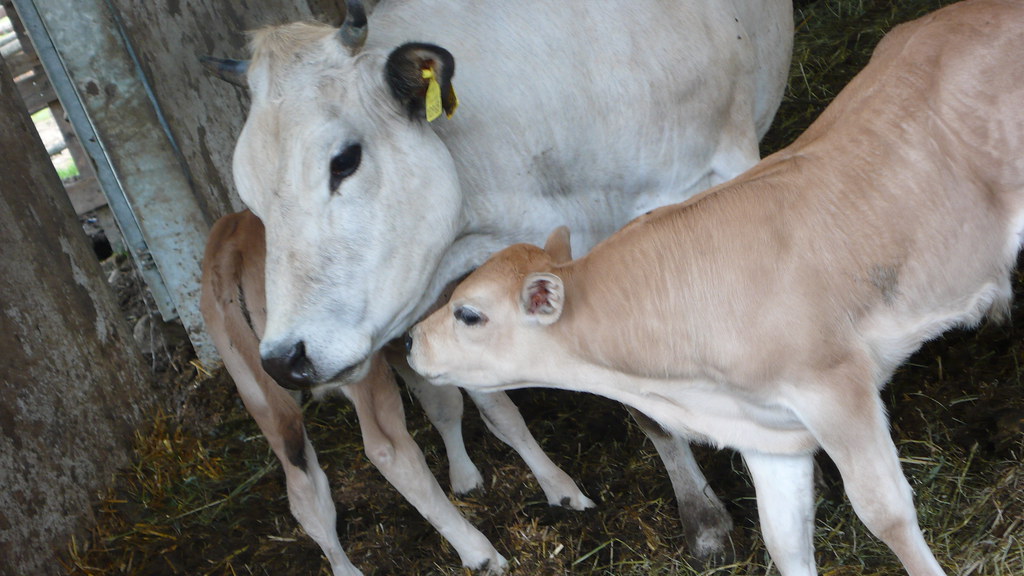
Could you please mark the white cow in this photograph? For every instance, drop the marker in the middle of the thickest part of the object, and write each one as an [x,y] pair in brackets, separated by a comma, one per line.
[572,111]
[766,314]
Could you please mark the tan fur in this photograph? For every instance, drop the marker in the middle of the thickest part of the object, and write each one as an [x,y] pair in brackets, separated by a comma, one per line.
[765,314]
[233,304]
[274,50]
[233,276]
[233,307]
[923,180]
[279,44]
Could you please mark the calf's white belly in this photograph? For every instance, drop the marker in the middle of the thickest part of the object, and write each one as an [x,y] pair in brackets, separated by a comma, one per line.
[703,411]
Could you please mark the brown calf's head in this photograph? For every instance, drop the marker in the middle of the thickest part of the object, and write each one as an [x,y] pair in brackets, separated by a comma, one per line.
[495,322]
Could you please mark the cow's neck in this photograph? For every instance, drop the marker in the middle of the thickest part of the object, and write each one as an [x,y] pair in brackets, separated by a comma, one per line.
[463,256]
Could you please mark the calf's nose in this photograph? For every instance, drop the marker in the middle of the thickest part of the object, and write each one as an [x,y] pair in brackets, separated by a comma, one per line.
[289,366]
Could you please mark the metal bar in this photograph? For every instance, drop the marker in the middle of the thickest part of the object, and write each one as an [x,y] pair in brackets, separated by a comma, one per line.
[116,198]
[99,82]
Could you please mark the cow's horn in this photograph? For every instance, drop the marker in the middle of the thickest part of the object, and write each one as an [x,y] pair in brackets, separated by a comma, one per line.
[232,71]
[353,30]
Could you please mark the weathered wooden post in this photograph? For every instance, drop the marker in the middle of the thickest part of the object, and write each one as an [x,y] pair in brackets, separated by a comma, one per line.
[159,129]
[72,384]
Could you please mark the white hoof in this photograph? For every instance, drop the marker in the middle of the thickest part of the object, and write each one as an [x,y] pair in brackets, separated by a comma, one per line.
[578,501]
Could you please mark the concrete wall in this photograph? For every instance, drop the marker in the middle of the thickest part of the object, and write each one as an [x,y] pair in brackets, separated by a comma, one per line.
[205,114]
[72,383]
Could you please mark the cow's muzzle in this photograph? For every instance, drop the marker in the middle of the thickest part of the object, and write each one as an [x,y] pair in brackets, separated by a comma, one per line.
[289,366]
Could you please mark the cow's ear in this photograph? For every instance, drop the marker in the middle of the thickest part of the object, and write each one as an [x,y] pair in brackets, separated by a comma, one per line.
[352,33]
[558,246]
[420,78]
[229,70]
[542,297]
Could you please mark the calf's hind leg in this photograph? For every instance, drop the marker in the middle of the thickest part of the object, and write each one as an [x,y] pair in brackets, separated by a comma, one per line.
[232,273]
[280,420]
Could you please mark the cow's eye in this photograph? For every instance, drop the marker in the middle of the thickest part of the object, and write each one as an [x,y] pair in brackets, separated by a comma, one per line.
[469,317]
[344,164]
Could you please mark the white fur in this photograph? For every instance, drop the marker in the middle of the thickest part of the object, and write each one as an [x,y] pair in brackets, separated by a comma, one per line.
[570,113]
[766,315]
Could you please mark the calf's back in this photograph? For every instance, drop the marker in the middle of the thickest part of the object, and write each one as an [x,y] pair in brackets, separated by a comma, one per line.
[895,216]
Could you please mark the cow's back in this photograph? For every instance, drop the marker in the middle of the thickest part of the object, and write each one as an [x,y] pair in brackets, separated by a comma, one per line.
[587,114]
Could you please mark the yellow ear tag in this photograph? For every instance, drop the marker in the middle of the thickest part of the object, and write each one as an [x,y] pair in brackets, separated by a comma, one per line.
[450,111]
[433,101]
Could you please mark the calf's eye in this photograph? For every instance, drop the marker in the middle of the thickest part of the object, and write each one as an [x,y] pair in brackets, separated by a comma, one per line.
[344,164]
[469,317]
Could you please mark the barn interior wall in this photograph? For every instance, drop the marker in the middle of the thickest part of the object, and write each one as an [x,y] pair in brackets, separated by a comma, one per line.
[167,127]
[205,114]
[72,381]
[74,378]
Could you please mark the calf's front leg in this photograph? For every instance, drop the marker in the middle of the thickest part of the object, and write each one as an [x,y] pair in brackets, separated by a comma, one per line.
[444,408]
[784,486]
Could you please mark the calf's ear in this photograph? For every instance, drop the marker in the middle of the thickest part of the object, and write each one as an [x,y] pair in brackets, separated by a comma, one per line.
[411,70]
[558,246]
[542,297]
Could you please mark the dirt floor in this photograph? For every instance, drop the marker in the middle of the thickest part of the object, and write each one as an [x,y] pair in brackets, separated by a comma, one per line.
[206,496]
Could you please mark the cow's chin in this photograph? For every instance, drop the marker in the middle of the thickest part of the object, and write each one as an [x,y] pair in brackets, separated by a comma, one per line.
[351,374]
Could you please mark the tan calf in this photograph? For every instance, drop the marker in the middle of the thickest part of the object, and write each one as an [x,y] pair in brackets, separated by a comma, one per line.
[766,314]
[371,209]
[233,305]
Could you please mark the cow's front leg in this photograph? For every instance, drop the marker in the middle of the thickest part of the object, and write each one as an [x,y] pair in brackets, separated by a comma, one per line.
[392,450]
[706,524]
[784,485]
[504,421]
[444,407]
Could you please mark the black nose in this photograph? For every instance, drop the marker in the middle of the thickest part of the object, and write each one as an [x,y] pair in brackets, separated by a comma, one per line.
[408,342]
[289,366]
